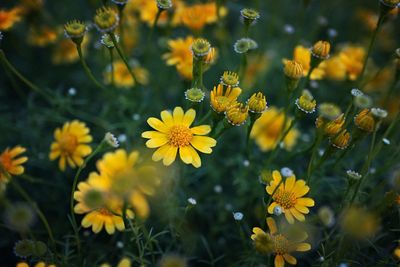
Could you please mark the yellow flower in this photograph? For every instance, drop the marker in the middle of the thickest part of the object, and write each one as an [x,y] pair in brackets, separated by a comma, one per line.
[122,77]
[9,17]
[108,216]
[39,264]
[11,164]
[172,261]
[70,144]
[42,36]
[396,253]
[221,99]
[289,195]
[237,113]
[321,49]
[334,68]
[302,55]
[293,69]
[257,66]
[125,180]
[180,56]
[268,129]
[353,59]
[330,128]
[280,244]
[194,17]
[365,121]
[257,103]
[147,11]
[341,140]
[359,223]
[124,262]
[173,133]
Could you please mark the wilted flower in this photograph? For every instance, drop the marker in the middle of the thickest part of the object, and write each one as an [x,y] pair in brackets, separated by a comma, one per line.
[249,16]
[244,45]
[306,102]
[23,248]
[19,216]
[200,47]
[365,121]
[363,101]
[75,29]
[379,113]
[341,140]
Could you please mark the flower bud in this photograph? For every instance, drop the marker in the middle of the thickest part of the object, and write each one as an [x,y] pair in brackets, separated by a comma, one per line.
[249,16]
[342,140]
[164,4]
[257,103]
[106,19]
[230,78]
[111,140]
[237,114]
[201,47]
[365,121]
[293,72]
[306,102]
[195,95]
[321,49]
[75,30]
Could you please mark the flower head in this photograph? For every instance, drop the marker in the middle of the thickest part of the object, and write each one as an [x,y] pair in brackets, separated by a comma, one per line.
[363,101]
[379,113]
[221,98]
[195,95]
[237,113]
[353,175]
[201,47]
[107,41]
[71,144]
[243,45]
[19,216]
[293,70]
[329,111]
[279,243]
[230,78]
[306,102]
[172,261]
[75,29]
[321,49]
[249,15]
[106,19]
[180,55]
[391,3]
[9,17]
[174,134]
[11,162]
[359,223]
[289,195]
[341,140]
[164,4]
[269,127]
[365,121]
[257,103]
[23,248]
[195,17]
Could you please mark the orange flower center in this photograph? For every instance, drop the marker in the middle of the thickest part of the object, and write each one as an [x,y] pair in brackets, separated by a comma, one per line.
[104,211]
[68,143]
[281,244]
[285,199]
[6,161]
[180,136]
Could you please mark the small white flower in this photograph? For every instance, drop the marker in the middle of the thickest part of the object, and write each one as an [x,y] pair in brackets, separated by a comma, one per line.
[122,138]
[218,189]
[120,244]
[321,152]
[343,264]
[386,141]
[287,172]
[356,92]
[321,259]
[277,211]
[379,113]
[289,29]
[136,117]
[314,84]
[238,216]
[372,170]
[192,201]
[353,175]
[72,91]
[246,163]
[111,140]
[332,33]
[322,20]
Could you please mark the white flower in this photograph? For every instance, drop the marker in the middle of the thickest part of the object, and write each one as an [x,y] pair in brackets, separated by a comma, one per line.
[122,138]
[238,216]
[287,172]
[111,140]
[353,175]
[386,141]
[379,113]
[277,210]
[192,201]
[217,188]
[356,92]
[72,91]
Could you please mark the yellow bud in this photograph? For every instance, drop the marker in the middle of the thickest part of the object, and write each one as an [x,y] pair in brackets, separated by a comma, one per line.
[342,140]
[321,49]
[365,121]
[106,19]
[74,29]
[257,103]
[306,102]
[237,114]
[293,70]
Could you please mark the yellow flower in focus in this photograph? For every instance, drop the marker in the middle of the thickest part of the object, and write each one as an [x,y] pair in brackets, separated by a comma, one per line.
[71,144]
[268,129]
[39,264]
[221,99]
[302,55]
[9,17]
[174,134]
[11,163]
[180,55]
[65,51]
[109,217]
[353,59]
[289,196]
[42,36]
[279,244]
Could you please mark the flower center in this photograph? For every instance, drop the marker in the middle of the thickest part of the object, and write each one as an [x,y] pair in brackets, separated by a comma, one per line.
[180,136]
[68,143]
[104,211]
[281,244]
[285,199]
[6,161]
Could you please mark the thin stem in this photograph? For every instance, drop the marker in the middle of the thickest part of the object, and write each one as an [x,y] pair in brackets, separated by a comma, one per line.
[122,56]
[33,87]
[111,52]
[155,23]
[313,155]
[206,117]
[87,69]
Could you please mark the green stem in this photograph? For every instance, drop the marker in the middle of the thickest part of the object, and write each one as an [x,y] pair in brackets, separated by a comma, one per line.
[41,215]
[155,23]
[197,73]
[314,153]
[86,67]
[206,117]
[110,50]
[33,87]
[122,56]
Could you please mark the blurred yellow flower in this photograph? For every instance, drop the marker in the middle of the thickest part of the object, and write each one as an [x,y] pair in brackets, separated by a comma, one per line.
[334,68]
[221,98]
[173,133]
[71,144]
[257,66]
[39,264]
[181,56]
[359,222]
[122,77]
[353,59]
[42,36]
[65,51]
[302,55]
[280,244]
[9,17]
[11,163]
[269,127]
[289,196]
[194,17]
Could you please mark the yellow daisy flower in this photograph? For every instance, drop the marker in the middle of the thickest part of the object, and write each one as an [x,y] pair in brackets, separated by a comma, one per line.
[108,216]
[9,17]
[11,164]
[288,195]
[42,36]
[180,56]
[269,127]
[221,98]
[352,58]
[280,244]
[173,133]
[70,144]
[195,17]
[302,55]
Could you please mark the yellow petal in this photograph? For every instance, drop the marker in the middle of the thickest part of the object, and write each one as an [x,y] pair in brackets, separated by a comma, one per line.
[170,155]
[153,134]
[279,261]
[271,207]
[178,115]
[289,217]
[305,201]
[201,130]
[302,208]
[297,214]
[157,142]
[157,125]
[196,161]
[289,183]
[303,247]
[203,143]
[167,118]
[272,225]
[300,188]
[290,259]
[125,262]
[189,117]
[185,154]
[160,153]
